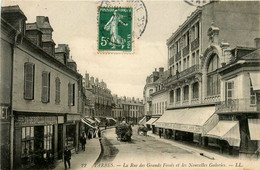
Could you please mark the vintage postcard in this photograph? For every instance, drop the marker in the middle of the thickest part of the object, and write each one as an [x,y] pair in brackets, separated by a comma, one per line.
[130,84]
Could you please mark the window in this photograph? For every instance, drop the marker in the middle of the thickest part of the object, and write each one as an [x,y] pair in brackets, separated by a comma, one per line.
[57,90]
[27,144]
[198,30]
[252,95]
[163,108]
[48,138]
[195,90]
[160,108]
[171,96]
[29,70]
[45,87]
[4,112]
[193,61]
[197,57]
[186,93]
[188,62]
[229,90]
[178,95]
[71,94]
[213,80]
[184,63]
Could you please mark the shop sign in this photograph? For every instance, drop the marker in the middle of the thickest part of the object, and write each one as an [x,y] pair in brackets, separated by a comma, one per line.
[71,118]
[187,128]
[36,120]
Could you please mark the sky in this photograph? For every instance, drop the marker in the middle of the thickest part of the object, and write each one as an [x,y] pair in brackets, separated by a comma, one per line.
[75,23]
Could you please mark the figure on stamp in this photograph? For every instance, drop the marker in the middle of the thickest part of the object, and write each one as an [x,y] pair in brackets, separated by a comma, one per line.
[112,26]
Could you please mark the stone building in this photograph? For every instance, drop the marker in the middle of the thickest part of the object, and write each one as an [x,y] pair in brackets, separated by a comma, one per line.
[201,52]
[40,93]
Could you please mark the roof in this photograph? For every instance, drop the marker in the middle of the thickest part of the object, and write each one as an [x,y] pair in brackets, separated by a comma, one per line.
[12,9]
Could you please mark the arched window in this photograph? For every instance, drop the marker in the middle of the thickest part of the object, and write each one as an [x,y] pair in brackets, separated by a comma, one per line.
[186,93]
[171,96]
[195,90]
[213,80]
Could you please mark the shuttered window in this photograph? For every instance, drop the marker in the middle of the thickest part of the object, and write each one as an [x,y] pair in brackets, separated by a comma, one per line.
[45,87]
[29,69]
[71,94]
[57,90]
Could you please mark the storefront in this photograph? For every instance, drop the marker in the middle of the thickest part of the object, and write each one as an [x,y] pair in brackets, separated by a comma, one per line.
[36,140]
[188,124]
[150,124]
[72,131]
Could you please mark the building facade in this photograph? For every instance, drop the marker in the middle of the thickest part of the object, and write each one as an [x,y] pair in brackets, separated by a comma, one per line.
[198,50]
[40,97]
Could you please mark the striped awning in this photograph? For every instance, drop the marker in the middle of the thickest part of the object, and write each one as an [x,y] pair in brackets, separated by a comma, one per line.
[83,120]
[110,118]
[97,120]
[150,122]
[226,130]
[254,126]
[89,120]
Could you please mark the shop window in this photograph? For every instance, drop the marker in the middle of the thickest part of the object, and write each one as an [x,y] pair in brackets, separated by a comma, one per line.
[27,154]
[57,90]
[186,93]
[171,96]
[70,136]
[213,79]
[252,95]
[29,71]
[4,112]
[195,90]
[48,139]
[45,87]
[178,95]
[188,62]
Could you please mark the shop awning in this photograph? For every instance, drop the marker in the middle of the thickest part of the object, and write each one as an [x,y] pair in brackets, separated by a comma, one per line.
[110,118]
[254,126]
[97,120]
[82,120]
[150,122]
[89,120]
[255,79]
[226,130]
[188,119]
[142,121]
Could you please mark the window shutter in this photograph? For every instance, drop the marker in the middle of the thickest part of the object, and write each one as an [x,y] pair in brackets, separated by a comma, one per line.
[57,94]
[45,86]
[28,81]
[69,94]
[73,95]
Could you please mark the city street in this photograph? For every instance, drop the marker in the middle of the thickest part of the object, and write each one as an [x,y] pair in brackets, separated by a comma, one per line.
[142,149]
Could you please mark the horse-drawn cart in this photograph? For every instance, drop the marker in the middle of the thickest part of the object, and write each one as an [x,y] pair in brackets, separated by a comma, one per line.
[124,132]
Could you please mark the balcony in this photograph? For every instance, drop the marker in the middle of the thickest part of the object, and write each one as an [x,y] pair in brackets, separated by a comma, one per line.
[194,44]
[149,112]
[190,70]
[235,105]
[178,56]
[186,50]
[171,60]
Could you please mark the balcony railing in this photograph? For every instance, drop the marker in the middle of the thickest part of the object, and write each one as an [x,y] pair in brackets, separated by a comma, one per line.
[171,60]
[178,56]
[186,50]
[190,70]
[149,99]
[194,44]
[149,112]
[235,105]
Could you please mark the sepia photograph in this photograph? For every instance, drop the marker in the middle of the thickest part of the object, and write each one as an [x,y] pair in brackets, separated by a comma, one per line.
[130,84]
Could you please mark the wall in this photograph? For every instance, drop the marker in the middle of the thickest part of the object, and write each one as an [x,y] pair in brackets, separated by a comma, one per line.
[233,18]
[159,98]
[25,54]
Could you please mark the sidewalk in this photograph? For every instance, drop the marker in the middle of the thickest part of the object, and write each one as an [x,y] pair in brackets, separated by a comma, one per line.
[210,154]
[84,159]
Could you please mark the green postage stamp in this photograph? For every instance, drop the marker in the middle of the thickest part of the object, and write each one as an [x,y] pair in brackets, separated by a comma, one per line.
[115,29]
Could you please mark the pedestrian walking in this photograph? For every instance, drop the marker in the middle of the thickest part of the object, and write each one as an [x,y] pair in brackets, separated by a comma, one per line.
[99,133]
[83,141]
[67,157]
[160,133]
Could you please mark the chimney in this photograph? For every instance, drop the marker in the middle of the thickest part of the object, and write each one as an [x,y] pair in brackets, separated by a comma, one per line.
[96,82]
[257,43]
[161,70]
[87,79]
[34,34]
[62,53]
[92,80]
[48,45]
[155,75]
[133,99]
[124,98]
[72,64]
[15,17]
[226,51]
